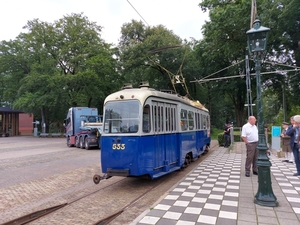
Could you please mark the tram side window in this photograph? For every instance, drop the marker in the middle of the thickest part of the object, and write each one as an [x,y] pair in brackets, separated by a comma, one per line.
[200,121]
[197,120]
[170,118]
[204,122]
[191,120]
[208,122]
[146,119]
[161,125]
[184,119]
[155,112]
[173,119]
[167,119]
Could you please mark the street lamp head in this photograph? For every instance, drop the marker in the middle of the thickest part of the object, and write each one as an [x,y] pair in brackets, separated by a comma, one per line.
[257,37]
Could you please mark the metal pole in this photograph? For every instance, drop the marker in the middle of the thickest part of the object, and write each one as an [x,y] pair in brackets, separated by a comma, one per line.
[248,85]
[284,102]
[264,195]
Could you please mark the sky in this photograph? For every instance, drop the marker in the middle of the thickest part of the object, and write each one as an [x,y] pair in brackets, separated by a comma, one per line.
[183,17]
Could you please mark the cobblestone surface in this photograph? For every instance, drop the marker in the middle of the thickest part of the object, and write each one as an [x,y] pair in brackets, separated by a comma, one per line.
[37,173]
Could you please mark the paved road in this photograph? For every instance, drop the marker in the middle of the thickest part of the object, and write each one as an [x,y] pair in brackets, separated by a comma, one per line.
[35,171]
[30,158]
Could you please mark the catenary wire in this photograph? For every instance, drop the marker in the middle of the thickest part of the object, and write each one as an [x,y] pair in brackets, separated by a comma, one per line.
[203,80]
[138,13]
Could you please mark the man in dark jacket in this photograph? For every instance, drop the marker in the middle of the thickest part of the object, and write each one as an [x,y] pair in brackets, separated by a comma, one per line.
[227,135]
[293,132]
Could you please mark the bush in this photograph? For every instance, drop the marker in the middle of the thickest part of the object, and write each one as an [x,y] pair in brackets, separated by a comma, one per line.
[214,133]
[236,137]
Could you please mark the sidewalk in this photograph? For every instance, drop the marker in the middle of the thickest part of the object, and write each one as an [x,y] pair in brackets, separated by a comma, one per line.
[217,192]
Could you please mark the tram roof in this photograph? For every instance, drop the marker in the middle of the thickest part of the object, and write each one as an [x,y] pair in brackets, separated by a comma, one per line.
[143,93]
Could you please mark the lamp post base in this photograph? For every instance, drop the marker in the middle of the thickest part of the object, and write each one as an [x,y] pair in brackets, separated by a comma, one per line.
[266,203]
[265,195]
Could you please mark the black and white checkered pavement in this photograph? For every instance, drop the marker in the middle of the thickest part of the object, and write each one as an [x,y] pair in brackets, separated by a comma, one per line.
[217,192]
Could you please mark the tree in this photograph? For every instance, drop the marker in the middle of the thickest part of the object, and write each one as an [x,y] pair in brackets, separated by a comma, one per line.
[224,46]
[150,54]
[57,66]
[283,17]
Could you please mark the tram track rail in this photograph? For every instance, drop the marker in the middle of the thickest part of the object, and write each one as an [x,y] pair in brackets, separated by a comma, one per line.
[44,212]
[115,213]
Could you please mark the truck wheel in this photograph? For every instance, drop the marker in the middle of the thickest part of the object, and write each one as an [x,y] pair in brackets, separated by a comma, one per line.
[86,144]
[68,142]
[81,142]
[77,144]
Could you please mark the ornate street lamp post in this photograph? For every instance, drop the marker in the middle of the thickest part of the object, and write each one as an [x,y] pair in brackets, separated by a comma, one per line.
[257,41]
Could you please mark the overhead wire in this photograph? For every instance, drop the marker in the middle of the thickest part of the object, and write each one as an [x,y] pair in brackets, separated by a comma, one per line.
[203,80]
[138,13]
[280,64]
[221,70]
[240,75]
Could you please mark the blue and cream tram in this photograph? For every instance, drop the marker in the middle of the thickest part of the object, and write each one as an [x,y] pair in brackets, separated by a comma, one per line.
[149,132]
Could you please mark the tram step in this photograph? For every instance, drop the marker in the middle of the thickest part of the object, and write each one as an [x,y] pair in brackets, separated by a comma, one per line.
[172,169]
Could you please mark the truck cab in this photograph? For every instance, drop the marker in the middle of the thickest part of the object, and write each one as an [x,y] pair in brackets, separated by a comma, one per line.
[83,127]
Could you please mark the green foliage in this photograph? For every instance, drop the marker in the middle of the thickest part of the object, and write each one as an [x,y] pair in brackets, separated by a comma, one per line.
[55,66]
[148,54]
[224,46]
[236,137]
[214,133]
[225,43]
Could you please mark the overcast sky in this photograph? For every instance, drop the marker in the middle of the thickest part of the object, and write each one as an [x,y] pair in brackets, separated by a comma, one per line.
[183,17]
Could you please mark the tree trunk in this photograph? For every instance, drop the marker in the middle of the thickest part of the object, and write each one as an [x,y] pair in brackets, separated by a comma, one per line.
[43,124]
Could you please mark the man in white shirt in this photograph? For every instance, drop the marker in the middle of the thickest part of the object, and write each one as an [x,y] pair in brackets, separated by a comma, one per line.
[250,137]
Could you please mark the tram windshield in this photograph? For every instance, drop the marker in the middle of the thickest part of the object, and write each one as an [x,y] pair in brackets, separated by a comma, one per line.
[121,117]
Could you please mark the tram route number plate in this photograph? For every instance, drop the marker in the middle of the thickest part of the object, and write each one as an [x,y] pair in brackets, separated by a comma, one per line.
[118,146]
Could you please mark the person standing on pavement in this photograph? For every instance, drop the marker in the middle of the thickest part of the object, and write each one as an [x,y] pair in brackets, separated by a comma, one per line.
[250,137]
[227,135]
[293,132]
[285,143]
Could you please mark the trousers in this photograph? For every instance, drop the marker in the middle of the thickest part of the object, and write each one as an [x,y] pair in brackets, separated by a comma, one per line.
[227,140]
[296,156]
[251,157]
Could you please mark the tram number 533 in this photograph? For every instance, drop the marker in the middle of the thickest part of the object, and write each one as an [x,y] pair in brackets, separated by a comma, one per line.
[118,146]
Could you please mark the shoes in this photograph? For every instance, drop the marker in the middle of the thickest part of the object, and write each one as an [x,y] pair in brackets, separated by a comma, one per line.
[255,173]
[296,174]
[247,174]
